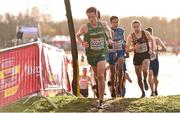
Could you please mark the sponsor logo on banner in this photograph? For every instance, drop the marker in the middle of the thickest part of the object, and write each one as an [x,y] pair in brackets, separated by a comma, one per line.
[8,76]
[10,91]
[6,63]
[20,72]
[32,70]
[19,69]
[10,72]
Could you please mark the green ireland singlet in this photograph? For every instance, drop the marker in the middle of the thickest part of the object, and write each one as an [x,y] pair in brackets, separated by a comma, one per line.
[96,37]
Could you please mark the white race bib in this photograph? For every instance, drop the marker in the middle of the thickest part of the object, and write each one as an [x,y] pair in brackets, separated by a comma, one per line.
[97,43]
[143,48]
[118,45]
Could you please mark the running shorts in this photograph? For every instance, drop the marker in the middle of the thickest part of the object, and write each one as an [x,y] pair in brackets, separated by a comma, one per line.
[84,92]
[113,56]
[94,60]
[140,57]
[154,66]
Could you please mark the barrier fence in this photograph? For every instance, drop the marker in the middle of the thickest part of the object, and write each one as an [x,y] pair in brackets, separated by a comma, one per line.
[34,68]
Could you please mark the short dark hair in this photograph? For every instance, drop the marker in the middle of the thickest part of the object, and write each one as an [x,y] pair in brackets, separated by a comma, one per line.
[84,69]
[150,30]
[91,10]
[113,17]
[136,22]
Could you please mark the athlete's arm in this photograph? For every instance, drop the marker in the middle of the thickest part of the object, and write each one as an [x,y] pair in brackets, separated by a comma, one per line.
[129,47]
[123,35]
[128,44]
[113,34]
[82,30]
[126,53]
[107,28]
[150,39]
[160,43]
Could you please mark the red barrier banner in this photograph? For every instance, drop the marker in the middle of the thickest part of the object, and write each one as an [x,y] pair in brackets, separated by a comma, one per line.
[32,68]
[19,73]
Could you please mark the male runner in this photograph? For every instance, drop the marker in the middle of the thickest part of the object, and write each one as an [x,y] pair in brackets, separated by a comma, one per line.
[154,63]
[95,47]
[138,41]
[116,50]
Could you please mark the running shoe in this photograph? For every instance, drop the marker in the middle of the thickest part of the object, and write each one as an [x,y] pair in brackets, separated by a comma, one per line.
[143,95]
[156,93]
[100,104]
[153,94]
[123,92]
[113,94]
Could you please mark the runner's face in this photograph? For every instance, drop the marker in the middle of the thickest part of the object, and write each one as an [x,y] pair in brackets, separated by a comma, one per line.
[84,71]
[136,27]
[92,17]
[114,23]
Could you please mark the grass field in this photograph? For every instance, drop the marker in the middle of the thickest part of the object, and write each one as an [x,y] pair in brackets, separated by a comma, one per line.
[75,104]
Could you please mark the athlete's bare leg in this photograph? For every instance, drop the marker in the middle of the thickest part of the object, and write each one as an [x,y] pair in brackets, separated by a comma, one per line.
[120,73]
[95,77]
[145,69]
[100,77]
[111,83]
[151,81]
[138,69]
[156,84]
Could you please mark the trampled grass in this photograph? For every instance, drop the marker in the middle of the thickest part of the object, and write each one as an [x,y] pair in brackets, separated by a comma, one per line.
[76,104]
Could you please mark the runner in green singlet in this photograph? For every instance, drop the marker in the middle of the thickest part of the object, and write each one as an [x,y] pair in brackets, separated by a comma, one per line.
[96,47]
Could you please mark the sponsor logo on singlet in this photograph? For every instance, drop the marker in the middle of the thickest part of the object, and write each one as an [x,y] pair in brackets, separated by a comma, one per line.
[95,34]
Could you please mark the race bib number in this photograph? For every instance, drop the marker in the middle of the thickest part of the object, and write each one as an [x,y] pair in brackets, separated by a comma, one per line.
[97,43]
[118,45]
[143,48]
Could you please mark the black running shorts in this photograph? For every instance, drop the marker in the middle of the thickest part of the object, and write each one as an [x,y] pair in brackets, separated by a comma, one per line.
[84,92]
[154,66]
[140,57]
